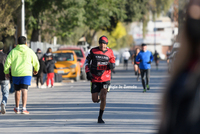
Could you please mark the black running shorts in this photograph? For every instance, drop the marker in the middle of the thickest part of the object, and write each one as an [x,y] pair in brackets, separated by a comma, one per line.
[21,86]
[97,86]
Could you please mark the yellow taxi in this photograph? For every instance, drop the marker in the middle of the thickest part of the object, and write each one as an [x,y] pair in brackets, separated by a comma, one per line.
[67,64]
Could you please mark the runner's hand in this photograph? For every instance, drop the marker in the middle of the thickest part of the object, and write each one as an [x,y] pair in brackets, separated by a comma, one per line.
[7,76]
[35,72]
[89,76]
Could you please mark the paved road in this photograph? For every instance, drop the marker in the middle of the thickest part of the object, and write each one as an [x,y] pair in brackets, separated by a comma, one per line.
[68,108]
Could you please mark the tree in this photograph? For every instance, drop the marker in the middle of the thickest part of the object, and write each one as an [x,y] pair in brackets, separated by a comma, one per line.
[7,10]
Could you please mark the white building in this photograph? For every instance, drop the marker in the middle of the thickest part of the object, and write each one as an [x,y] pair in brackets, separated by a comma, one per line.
[162,33]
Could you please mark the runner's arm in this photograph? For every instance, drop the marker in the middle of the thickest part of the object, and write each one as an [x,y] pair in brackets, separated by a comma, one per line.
[112,61]
[151,57]
[87,61]
[35,62]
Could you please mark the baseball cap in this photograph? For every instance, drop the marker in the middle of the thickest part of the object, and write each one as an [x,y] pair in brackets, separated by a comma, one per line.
[103,39]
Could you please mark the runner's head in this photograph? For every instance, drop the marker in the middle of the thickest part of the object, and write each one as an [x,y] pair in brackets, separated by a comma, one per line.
[137,51]
[144,47]
[103,41]
[22,40]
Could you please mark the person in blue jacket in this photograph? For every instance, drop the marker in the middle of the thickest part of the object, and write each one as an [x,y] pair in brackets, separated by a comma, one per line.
[145,58]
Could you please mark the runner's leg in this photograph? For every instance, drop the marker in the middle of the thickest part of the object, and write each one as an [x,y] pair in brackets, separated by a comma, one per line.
[142,77]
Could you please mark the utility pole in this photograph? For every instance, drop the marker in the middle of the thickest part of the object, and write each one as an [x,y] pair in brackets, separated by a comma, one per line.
[22,19]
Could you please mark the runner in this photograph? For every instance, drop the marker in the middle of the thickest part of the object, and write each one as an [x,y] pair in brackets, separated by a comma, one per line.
[21,60]
[136,64]
[126,55]
[99,72]
[156,57]
[3,81]
[145,58]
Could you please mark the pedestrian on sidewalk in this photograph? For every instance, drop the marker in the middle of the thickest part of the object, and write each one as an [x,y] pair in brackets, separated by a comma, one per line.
[145,58]
[4,82]
[21,59]
[126,55]
[42,70]
[50,65]
[48,52]
[180,112]
[98,65]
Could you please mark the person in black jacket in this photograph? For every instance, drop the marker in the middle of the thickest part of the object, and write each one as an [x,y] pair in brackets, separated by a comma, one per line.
[50,65]
[3,81]
[42,70]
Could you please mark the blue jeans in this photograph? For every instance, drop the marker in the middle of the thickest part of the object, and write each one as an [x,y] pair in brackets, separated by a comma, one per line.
[4,90]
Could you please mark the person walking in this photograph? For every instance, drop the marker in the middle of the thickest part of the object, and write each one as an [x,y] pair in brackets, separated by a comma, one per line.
[50,65]
[136,64]
[4,82]
[145,58]
[42,70]
[21,60]
[126,55]
[156,57]
[98,65]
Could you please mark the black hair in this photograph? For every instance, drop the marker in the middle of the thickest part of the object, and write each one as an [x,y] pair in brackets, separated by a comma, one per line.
[22,40]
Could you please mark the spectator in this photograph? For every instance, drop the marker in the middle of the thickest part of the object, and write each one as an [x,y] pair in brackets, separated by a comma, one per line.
[3,81]
[50,65]
[181,109]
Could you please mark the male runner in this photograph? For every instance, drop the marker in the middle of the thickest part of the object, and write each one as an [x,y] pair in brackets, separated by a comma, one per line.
[145,58]
[98,65]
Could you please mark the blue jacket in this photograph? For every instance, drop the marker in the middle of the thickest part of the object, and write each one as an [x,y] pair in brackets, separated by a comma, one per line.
[145,57]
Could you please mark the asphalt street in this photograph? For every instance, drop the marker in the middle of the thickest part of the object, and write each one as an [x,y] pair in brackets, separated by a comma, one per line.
[68,108]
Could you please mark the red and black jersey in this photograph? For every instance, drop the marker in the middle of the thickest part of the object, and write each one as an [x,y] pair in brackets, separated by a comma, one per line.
[97,63]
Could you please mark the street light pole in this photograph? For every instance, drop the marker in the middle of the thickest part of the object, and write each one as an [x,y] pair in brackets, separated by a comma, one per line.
[22,19]
[155,35]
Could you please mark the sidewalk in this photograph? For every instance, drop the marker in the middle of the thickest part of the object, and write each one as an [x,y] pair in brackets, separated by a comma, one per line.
[64,82]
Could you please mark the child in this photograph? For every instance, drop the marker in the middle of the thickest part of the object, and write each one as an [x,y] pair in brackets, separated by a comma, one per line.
[50,65]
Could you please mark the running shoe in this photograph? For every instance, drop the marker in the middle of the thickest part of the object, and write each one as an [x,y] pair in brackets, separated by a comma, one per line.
[144,90]
[16,111]
[43,86]
[25,111]
[3,109]
[100,120]
[148,88]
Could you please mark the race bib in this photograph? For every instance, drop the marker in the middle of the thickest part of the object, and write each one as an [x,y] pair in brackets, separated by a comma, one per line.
[102,65]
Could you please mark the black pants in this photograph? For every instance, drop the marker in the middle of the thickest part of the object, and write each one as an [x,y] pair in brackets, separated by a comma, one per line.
[126,64]
[143,72]
[39,78]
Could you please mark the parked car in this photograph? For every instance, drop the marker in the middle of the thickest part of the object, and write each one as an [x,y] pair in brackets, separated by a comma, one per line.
[67,64]
[80,55]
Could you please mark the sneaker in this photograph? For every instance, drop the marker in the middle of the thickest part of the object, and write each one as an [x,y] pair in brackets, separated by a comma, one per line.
[100,120]
[148,88]
[144,90]
[43,86]
[16,111]
[3,109]
[52,86]
[25,111]
[48,86]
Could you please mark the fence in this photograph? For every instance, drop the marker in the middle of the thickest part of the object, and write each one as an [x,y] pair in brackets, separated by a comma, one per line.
[43,46]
